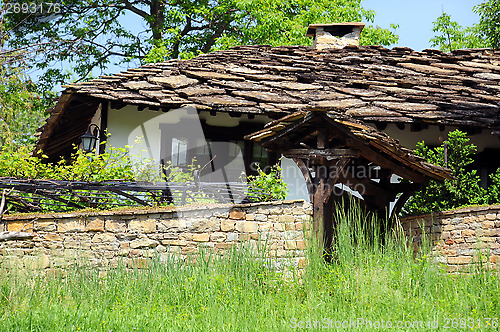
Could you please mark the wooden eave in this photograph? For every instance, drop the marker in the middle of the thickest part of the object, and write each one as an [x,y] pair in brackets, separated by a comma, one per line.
[355,138]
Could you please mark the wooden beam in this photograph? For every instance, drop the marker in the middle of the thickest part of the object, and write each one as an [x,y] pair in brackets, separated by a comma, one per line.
[332,180]
[288,130]
[322,152]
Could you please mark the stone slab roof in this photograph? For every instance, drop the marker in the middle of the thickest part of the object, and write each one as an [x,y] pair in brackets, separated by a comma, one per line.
[370,83]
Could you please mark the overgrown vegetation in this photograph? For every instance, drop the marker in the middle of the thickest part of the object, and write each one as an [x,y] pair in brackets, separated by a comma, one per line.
[238,292]
[465,190]
[118,164]
[270,185]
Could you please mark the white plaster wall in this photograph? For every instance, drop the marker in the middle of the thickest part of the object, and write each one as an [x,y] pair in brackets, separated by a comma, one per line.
[128,124]
[294,179]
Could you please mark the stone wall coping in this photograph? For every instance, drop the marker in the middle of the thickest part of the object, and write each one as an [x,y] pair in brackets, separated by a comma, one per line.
[455,212]
[143,211]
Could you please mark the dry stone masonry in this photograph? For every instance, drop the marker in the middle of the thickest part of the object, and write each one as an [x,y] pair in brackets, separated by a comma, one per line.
[460,237]
[109,238]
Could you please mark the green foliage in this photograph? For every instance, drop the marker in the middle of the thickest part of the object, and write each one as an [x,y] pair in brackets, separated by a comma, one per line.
[486,33]
[465,190]
[494,188]
[489,25]
[22,107]
[91,35]
[181,175]
[270,186]
[114,164]
[452,36]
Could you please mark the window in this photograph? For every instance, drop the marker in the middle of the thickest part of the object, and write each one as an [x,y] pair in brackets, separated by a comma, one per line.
[179,152]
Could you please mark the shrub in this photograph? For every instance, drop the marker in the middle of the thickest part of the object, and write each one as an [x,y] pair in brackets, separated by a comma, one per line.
[269,186]
[464,190]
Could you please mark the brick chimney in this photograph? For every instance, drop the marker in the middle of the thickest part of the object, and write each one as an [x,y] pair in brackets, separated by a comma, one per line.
[335,35]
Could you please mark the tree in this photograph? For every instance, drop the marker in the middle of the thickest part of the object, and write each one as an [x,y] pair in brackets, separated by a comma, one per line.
[464,190]
[486,33]
[453,36]
[92,34]
[22,106]
[489,24]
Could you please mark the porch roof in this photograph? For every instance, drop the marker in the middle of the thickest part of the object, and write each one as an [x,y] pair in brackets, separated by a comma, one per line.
[291,135]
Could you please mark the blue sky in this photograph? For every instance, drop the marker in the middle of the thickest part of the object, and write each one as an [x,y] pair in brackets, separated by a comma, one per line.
[415,17]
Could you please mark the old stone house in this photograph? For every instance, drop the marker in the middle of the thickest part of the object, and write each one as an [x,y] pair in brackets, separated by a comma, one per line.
[411,96]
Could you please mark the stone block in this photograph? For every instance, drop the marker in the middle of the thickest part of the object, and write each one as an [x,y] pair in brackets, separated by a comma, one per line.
[232,237]
[189,250]
[244,237]
[20,226]
[203,237]
[246,226]
[286,218]
[174,242]
[460,260]
[302,263]
[250,217]
[299,226]
[265,227]
[70,225]
[143,243]
[298,211]
[224,246]
[468,233]
[218,237]
[448,228]
[290,245]
[139,263]
[116,226]
[238,215]
[261,217]
[172,225]
[36,262]
[46,225]
[280,227]
[95,225]
[488,224]
[491,216]
[301,244]
[186,236]
[53,237]
[104,238]
[227,225]
[204,225]
[273,211]
[142,225]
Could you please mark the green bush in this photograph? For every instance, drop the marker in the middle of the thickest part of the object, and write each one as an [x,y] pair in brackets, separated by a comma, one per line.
[464,190]
[269,186]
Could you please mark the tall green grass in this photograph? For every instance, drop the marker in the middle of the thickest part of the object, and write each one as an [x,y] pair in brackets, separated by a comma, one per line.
[375,277]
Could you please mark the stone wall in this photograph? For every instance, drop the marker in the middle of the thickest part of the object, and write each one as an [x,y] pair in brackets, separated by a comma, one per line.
[131,237]
[460,237]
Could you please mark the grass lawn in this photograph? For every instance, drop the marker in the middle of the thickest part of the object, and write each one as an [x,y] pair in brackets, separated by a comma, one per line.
[371,287]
